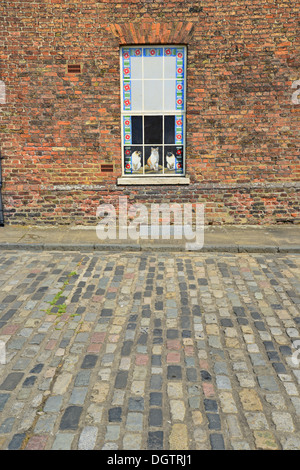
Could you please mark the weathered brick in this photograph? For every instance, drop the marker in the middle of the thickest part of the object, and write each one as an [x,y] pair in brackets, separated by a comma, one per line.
[58,128]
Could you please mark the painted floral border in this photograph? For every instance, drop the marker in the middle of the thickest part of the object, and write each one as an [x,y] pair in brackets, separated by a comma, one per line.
[178,138]
[129,52]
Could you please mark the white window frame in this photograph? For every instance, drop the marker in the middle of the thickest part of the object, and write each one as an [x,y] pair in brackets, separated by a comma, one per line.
[179,112]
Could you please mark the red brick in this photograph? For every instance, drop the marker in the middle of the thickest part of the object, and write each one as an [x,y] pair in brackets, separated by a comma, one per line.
[242,129]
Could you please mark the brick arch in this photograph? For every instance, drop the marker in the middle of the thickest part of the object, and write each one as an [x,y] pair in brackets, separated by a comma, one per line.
[149,32]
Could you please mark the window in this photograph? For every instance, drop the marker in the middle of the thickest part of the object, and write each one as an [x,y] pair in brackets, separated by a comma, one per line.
[153,110]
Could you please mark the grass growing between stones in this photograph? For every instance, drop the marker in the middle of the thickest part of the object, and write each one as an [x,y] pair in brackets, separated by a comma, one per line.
[61,307]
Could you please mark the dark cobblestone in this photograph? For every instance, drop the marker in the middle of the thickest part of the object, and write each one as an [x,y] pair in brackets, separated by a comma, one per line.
[115,415]
[210,405]
[89,361]
[217,442]
[174,372]
[70,418]
[121,379]
[155,399]
[155,417]
[16,442]
[3,399]
[36,369]
[29,381]
[11,381]
[155,440]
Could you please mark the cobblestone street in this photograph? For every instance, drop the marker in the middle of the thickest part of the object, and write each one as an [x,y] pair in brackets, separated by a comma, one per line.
[149,351]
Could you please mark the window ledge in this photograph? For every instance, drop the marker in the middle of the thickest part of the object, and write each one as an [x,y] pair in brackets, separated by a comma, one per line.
[157,180]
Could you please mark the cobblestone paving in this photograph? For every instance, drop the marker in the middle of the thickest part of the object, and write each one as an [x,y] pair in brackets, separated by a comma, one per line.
[149,351]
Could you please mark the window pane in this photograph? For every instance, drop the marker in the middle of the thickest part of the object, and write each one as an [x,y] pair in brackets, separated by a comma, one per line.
[136,95]
[153,160]
[170,67]
[137,129]
[136,67]
[133,160]
[153,67]
[169,95]
[173,160]
[169,130]
[153,129]
[153,95]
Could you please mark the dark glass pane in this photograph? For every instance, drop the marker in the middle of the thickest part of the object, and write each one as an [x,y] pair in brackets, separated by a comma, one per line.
[153,129]
[137,129]
[133,160]
[153,159]
[169,129]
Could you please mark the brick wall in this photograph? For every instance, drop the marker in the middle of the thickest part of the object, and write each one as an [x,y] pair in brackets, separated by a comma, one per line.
[57,128]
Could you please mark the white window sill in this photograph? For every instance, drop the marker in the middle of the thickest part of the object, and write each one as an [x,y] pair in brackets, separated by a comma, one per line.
[148,180]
